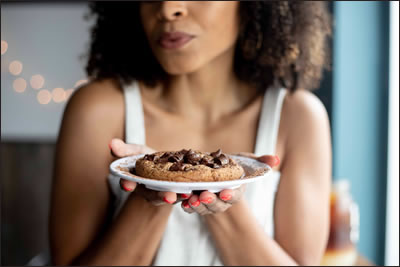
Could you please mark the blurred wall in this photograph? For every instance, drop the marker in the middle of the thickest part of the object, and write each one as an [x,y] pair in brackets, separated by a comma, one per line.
[47,39]
[359,117]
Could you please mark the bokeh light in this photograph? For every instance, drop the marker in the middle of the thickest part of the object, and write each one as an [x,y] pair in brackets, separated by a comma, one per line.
[58,95]
[4,47]
[68,93]
[37,81]
[15,67]
[19,85]
[44,97]
[79,83]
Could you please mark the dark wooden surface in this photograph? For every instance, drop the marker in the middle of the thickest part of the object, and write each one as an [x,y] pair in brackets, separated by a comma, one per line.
[26,174]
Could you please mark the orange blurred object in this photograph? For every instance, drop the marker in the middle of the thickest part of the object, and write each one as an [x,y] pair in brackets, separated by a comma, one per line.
[344,228]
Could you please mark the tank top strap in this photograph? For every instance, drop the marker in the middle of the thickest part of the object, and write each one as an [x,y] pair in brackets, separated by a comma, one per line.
[267,133]
[134,117]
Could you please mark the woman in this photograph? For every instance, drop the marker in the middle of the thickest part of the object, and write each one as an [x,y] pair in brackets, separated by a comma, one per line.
[200,75]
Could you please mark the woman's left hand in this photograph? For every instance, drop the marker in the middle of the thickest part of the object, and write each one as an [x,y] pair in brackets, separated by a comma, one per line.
[210,203]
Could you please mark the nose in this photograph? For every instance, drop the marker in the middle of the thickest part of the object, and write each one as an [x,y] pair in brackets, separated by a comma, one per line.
[173,10]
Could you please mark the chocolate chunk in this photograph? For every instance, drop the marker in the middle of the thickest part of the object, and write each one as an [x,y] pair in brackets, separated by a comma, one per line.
[166,155]
[149,157]
[163,158]
[175,158]
[213,165]
[216,166]
[192,158]
[183,151]
[216,154]
[177,167]
[207,160]
[221,160]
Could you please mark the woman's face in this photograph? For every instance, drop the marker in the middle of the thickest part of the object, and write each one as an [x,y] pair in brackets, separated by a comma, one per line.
[186,35]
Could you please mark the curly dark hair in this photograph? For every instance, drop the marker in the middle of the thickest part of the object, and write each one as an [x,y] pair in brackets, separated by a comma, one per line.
[281,43]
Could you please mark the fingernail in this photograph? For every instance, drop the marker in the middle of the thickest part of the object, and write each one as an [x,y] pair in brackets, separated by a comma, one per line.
[185,195]
[196,203]
[277,160]
[167,201]
[186,204]
[226,197]
[207,200]
[126,188]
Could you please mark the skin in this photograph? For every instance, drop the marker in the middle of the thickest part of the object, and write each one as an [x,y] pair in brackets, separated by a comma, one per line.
[209,109]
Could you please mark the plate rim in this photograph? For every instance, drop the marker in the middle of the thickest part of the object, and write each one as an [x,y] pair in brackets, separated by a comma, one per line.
[159,183]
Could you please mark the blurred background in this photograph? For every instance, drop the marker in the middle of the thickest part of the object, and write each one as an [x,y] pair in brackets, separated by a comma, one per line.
[42,64]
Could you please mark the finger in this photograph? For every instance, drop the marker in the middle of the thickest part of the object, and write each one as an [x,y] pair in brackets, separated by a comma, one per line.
[120,149]
[197,206]
[167,197]
[231,196]
[206,197]
[272,161]
[126,185]
[186,207]
[181,197]
[212,203]
[156,197]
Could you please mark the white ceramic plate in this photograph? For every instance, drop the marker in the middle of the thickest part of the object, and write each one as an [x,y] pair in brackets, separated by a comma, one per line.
[253,169]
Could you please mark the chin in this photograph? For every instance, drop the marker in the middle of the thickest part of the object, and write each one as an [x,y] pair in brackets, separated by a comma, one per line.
[180,68]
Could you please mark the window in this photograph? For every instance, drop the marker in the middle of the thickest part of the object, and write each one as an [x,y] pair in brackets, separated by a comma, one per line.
[392,208]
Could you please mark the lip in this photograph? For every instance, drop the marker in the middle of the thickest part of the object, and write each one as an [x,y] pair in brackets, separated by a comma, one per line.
[174,40]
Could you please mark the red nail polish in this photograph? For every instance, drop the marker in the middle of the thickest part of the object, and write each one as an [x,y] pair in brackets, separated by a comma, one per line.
[196,203]
[277,160]
[166,200]
[185,195]
[207,200]
[226,197]
[185,204]
[127,188]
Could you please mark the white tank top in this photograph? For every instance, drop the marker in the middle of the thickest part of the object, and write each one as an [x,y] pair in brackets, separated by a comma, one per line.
[183,229]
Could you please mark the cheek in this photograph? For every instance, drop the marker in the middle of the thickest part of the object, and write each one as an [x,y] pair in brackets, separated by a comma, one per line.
[221,28]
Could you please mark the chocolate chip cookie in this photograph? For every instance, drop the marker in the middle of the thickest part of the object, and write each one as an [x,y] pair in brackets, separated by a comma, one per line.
[188,166]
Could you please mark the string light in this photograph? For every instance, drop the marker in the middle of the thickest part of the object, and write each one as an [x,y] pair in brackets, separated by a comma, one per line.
[44,97]
[19,85]
[4,47]
[15,67]
[80,82]
[58,95]
[68,93]
[37,81]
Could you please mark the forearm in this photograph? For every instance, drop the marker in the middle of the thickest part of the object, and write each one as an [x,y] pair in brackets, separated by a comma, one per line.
[133,237]
[240,240]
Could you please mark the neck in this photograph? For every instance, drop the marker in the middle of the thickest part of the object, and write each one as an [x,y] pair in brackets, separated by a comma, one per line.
[206,94]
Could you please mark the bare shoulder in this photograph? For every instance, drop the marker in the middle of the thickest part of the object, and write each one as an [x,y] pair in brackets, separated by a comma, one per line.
[304,116]
[302,110]
[97,98]
[305,105]
[95,113]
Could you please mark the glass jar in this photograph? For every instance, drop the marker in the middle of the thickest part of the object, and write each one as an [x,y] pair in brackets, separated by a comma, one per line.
[344,226]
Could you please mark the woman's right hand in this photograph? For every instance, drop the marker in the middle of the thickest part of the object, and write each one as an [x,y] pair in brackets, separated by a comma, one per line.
[120,149]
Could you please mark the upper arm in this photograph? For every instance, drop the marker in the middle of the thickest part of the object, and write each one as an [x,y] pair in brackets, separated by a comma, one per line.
[80,195]
[302,201]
